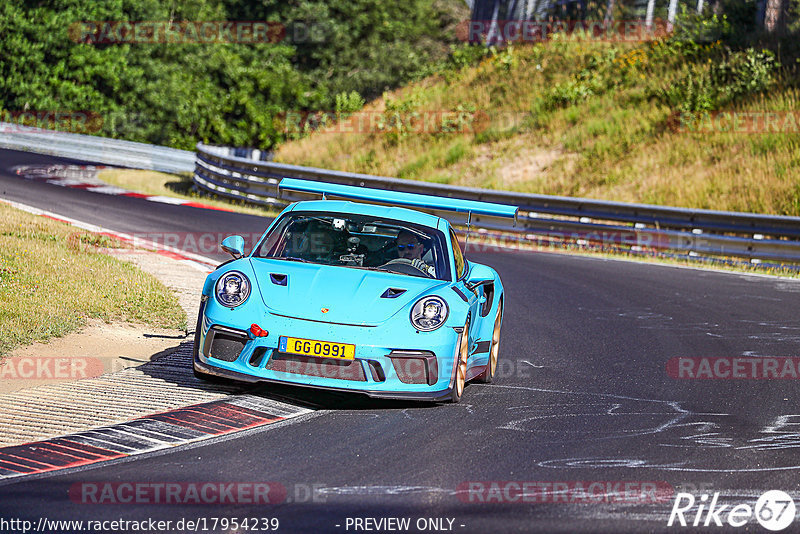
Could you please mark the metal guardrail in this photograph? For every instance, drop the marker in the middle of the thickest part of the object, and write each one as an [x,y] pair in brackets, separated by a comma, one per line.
[95,149]
[637,227]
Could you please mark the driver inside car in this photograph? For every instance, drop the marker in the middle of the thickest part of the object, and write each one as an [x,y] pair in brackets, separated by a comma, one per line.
[410,248]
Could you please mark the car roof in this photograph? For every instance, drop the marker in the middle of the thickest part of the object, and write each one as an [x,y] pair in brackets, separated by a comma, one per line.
[390,212]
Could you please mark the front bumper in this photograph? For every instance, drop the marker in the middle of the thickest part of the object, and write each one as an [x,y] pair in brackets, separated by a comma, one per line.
[390,361]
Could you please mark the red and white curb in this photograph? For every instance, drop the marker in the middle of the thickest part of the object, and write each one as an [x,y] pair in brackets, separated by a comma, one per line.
[146,434]
[202,263]
[159,405]
[85,177]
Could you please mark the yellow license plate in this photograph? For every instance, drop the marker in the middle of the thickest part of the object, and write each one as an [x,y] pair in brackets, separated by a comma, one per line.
[322,349]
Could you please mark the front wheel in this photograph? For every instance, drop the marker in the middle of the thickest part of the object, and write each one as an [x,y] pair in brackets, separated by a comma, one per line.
[460,379]
[487,376]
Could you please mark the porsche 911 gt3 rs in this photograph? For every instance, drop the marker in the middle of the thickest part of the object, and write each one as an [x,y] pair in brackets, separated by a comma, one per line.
[355,296]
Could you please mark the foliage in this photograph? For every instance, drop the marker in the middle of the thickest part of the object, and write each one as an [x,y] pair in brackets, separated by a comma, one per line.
[694,28]
[713,85]
[595,119]
[334,53]
[466,55]
[348,102]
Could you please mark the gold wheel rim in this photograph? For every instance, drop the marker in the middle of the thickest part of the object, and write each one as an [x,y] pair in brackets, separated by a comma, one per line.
[461,371]
[495,353]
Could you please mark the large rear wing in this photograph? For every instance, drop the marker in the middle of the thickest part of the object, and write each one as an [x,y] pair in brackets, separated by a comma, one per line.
[414,200]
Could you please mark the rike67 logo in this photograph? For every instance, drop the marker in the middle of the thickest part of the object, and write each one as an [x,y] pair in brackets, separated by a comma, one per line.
[774,510]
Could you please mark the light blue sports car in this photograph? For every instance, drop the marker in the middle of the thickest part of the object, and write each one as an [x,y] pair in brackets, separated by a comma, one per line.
[357,297]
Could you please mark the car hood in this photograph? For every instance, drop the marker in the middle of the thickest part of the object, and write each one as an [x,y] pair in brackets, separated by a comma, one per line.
[350,296]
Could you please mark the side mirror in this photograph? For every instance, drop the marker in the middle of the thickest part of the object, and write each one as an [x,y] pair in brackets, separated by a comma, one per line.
[233,245]
[479,275]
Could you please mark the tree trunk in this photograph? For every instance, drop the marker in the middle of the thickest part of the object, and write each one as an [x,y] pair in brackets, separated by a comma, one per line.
[775,15]
[494,36]
[530,9]
[651,6]
[609,11]
[673,10]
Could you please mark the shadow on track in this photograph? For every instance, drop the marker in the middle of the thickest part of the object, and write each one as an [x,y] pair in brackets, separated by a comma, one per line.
[176,368]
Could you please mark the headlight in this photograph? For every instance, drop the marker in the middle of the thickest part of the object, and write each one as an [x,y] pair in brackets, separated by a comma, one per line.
[233,288]
[429,313]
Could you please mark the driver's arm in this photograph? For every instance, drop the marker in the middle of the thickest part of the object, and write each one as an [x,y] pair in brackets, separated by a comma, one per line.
[422,266]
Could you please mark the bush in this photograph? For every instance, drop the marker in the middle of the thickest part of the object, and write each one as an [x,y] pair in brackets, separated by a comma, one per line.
[692,27]
[568,93]
[348,102]
[710,86]
[744,73]
[466,55]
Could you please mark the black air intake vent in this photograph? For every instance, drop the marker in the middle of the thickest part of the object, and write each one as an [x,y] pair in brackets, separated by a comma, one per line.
[392,293]
[224,345]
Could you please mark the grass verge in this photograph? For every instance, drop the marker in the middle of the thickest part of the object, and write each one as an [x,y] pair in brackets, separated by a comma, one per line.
[587,119]
[53,277]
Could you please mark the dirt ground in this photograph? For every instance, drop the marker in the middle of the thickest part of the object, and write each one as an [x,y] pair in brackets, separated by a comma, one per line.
[97,349]
[101,348]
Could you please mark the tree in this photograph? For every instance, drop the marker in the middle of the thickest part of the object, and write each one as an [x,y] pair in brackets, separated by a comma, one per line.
[609,11]
[651,6]
[673,10]
[775,14]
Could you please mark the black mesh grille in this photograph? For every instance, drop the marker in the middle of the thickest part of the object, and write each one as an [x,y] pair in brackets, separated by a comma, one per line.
[322,367]
[418,367]
[410,370]
[258,356]
[226,347]
[377,371]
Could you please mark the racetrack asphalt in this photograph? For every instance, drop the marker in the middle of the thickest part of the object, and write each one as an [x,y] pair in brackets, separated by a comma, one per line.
[583,395]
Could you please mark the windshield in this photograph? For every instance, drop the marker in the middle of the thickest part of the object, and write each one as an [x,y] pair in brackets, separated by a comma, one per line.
[358,241]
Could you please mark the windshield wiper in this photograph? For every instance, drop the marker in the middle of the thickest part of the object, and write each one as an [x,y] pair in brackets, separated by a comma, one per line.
[381,269]
[365,268]
[288,258]
[384,270]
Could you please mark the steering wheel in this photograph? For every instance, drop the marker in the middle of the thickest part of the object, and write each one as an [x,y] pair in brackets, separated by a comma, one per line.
[405,266]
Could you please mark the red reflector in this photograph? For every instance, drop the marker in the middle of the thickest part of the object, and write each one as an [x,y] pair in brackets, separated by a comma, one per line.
[258,331]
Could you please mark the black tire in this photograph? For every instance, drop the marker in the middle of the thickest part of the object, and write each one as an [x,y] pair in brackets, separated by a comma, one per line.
[487,376]
[460,378]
